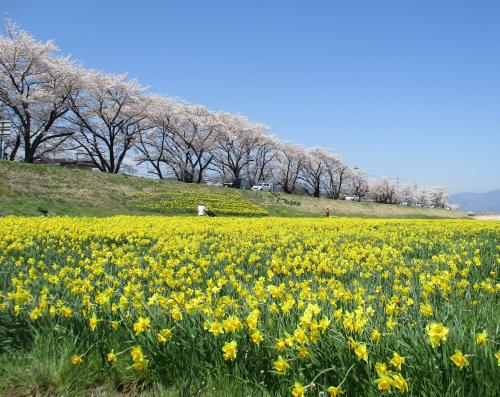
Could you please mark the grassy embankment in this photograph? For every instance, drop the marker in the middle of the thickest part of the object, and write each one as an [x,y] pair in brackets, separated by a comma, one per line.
[26,189]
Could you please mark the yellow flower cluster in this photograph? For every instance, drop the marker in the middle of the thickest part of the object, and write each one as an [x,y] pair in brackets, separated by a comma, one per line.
[139,363]
[179,202]
[309,302]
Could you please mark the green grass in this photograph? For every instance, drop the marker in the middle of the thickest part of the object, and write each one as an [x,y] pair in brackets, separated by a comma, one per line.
[40,365]
[44,368]
[291,205]
[26,189]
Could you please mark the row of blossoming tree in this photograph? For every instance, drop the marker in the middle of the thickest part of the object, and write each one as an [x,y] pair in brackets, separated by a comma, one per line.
[58,107]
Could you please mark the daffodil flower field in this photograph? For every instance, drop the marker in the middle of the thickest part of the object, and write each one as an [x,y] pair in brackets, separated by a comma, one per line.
[178,203]
[299,307]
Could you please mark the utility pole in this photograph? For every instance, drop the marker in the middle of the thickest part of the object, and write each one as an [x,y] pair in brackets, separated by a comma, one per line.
[78,154]
[4,132]
[1,133]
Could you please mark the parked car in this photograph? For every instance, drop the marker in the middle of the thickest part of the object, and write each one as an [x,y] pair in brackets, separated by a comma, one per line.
[262,187]
[211,183]
[351,198]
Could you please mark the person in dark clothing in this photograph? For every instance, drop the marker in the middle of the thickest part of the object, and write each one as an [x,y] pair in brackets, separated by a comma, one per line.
[210,213]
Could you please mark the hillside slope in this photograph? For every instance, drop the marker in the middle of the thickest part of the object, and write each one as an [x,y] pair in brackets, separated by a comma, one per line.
[27,189]
[477,202]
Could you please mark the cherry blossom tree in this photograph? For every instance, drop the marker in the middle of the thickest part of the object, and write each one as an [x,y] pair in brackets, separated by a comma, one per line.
[382,190]
[291,159]
[357,183]
[406,193]
[35,84]
[155,145]
[437,196]
[235,142]
[336,174]
[108,113]
[421,197]
[314,170]
[197,136]
[264,161]
[179,140]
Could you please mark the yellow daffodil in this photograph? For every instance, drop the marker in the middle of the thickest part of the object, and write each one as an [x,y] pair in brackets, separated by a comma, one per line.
[399,382]
[384,382]
[93,322]
[298,390]
[459,359]
[334,391]
[437,333]
[482,338]
[256,337]
[76,360]
[375,336]
[361,351]
[230,349]
[142,325]
[164,336]
[397,361]
[281,365]
[111,357]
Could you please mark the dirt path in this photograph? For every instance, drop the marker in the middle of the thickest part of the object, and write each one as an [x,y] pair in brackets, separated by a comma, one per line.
[491,217]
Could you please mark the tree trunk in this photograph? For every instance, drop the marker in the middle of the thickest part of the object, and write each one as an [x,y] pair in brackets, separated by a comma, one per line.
[14,150]
[29,154]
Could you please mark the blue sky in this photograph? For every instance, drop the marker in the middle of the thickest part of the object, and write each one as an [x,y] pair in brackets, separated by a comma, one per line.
[407,89]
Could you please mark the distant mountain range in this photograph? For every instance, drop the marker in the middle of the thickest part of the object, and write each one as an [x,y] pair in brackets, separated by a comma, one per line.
[477,202]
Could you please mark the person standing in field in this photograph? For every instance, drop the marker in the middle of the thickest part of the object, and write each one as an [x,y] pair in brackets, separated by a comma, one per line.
[201,209]
[327,213]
